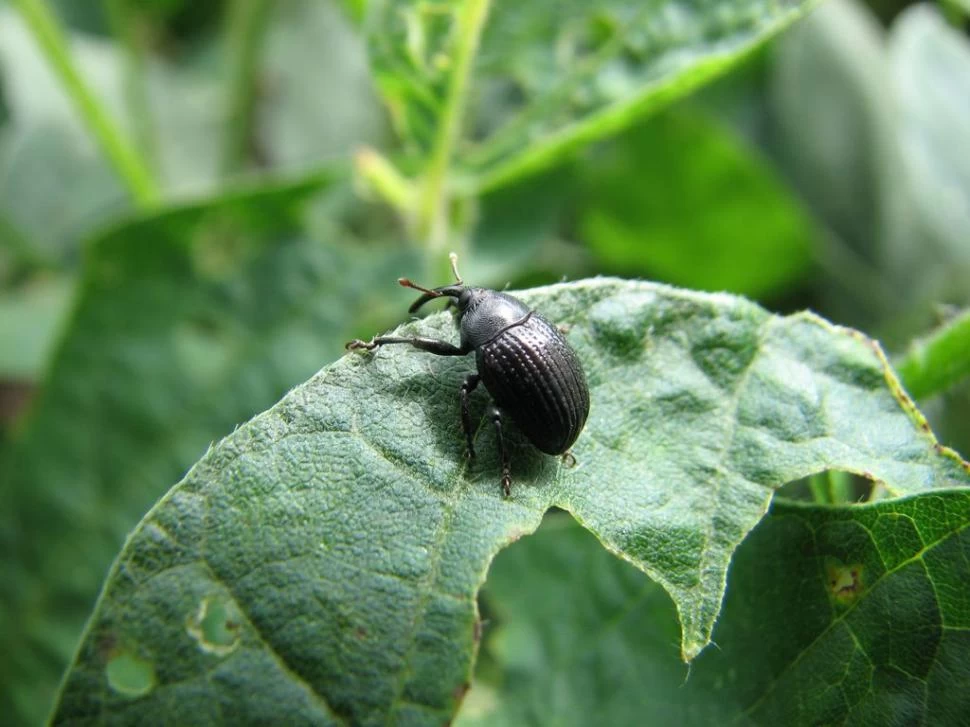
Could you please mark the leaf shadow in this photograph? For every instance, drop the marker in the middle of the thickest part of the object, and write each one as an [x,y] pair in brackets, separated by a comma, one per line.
[436,390]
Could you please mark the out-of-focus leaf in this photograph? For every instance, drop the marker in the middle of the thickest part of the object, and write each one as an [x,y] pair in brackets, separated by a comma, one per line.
[957,8]
[187,103]
[833,116]
[927,210]
[29,320]
[84,15]
[574,631]
[851,615]
[318,99]
[552,76]
[681,200]
[187,322]
[55,188]
[54,185]
[4,108]
[515,223]
[321,563]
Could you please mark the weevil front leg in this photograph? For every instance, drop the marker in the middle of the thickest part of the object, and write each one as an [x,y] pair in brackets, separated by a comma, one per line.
[467,387]
[495,414]
[431,345]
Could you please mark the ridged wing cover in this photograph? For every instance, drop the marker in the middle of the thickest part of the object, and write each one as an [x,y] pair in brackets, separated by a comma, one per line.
[535,377]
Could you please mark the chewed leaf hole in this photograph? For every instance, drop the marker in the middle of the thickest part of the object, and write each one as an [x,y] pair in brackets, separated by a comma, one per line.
[844,582]
[215,625]
[832,487]
[129,674]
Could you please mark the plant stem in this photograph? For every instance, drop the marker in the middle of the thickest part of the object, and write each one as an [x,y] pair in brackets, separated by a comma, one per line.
[432,220]
[841,491]
[818,485]
[129,30]
[127,162]
[381,176]
[938,361]
[246,26]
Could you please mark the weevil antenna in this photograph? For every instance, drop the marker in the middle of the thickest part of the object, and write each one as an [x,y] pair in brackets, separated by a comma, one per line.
[410,284]
[454,267]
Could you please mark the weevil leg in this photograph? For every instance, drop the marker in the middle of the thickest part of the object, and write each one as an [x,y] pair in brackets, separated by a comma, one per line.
[431,345]
[469,385]
[568,460]
[496,416]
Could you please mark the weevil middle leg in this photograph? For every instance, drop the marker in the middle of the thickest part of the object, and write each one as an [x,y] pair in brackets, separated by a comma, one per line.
[467,387]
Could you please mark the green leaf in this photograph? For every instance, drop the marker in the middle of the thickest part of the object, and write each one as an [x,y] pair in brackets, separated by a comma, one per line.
[680,199]
[344,535]
[853,615]
[549,76]
[186,323]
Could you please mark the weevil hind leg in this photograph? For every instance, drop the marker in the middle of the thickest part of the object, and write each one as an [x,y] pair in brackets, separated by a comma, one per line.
[495,415]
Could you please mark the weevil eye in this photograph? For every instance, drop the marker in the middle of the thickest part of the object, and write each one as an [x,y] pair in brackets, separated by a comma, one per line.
[464,299]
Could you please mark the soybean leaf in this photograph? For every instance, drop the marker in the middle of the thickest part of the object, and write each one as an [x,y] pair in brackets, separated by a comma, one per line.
[321,563]
[851,615]
[549,76]
[186,323]
[641,203]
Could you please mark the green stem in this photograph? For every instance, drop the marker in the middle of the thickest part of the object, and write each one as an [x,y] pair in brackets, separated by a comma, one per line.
[245,32]
[818,484]
[432,220]
[125,159]
[130,31]
[381,176]
[935,363]
[841,491]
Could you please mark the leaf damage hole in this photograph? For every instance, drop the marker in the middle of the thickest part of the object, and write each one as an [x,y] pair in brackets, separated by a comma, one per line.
[129,674]
[215,626]
[832,487]
[845,582]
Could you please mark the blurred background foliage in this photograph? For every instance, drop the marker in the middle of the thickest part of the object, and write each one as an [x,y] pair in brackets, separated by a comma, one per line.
[261,226]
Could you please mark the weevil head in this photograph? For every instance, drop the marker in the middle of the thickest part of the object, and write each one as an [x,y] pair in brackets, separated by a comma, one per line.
[482,313]
[456,291]
[466,299]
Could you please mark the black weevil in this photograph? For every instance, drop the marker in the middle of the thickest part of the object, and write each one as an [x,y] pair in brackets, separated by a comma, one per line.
[532,373]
